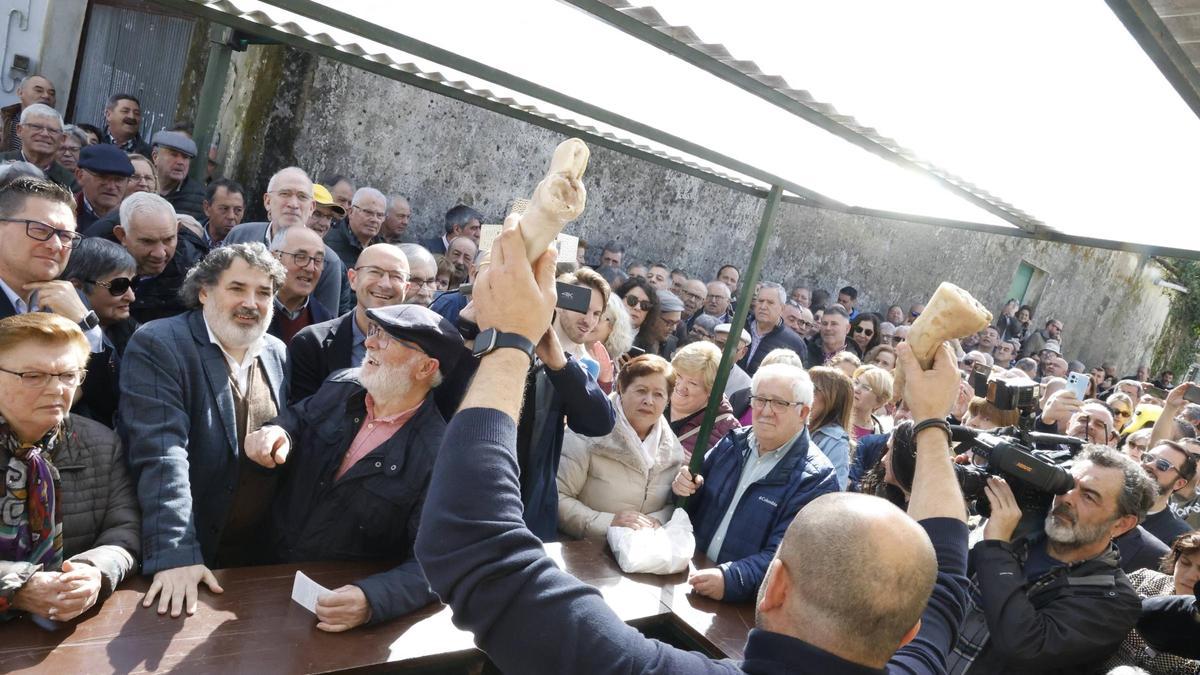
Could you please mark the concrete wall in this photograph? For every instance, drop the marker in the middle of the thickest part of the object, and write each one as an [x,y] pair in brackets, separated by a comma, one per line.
[284,108]
[48,32]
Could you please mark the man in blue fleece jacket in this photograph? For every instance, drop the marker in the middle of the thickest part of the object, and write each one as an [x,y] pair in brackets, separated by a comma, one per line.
[855,587]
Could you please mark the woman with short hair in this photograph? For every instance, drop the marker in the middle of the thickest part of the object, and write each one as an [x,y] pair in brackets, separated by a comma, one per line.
[883,356]
[623,479]
[696,367]
[71,526]
[872,390]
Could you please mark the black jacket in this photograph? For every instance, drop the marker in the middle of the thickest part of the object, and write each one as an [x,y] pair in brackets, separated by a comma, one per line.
[316,351]
[1067,621]
[57,173]
[100,390]
[815,353]
[188,198]
[158,296]
[371,512]
[780,337]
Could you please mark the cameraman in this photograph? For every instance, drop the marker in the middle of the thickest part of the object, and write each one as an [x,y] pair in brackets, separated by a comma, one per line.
[1056,599]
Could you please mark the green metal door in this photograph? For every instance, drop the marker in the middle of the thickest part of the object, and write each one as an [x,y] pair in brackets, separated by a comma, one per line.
[1020,283]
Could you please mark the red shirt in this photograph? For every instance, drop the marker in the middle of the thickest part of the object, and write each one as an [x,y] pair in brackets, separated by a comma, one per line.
[373,433]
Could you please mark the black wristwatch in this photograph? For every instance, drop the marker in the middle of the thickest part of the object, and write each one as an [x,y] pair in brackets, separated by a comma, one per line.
[491,339]
[89,321]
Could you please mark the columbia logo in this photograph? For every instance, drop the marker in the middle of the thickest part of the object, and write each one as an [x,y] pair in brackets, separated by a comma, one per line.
[768,501]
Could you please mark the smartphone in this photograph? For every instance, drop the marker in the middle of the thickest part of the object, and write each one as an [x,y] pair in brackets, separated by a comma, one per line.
[635,352]
[1192,393]
[979,380]
[575,298]
[1156,392]
[1078,383]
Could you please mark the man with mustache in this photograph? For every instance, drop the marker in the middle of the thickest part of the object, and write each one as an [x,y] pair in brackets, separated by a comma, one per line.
[303,256]
[1055,599]
[150,232]
[193,386]
[123,123]
[360,497]
[380,280]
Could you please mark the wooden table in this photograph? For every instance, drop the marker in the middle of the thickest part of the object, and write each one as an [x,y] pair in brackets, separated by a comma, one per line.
[255,627]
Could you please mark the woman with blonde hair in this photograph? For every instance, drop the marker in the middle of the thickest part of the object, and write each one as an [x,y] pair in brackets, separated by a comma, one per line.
[833,401]
[695,372]
[872,390]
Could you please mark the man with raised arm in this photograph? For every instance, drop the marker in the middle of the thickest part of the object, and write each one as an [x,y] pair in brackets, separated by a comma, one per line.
[875,589]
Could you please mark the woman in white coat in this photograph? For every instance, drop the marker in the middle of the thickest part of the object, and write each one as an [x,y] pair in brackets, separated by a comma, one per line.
[623,479]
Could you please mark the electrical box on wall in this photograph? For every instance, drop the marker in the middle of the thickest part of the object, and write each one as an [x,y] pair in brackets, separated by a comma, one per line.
[21,66]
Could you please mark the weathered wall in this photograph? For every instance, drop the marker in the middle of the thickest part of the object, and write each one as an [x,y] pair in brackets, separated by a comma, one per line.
[284,107]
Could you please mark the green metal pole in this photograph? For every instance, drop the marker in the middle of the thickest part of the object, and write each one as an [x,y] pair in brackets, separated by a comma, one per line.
[749,281]
[211,93]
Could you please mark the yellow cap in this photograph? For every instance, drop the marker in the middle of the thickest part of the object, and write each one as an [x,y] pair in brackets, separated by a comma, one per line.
[322,197]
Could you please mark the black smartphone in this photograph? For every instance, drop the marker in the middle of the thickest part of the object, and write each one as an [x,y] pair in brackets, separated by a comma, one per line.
[1156,392]
[574,298]
[1192,393]
[635,352]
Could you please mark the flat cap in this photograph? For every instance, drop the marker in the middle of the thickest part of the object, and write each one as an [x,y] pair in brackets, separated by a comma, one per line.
[669,302]
[105,158]
[427,329]
[725,328]
[1052,346]
[176,140]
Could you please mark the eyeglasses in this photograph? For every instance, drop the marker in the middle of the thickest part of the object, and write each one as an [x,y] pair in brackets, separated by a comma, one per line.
[373,274]
[670,324]
[302,259]
[776,405]
[419,282]
[715,296]
[865,331]
[385,339]
[42,129]
[378,215]
[293,194]
[116,286]
[1158,463]
[693,296]
[644,305]
[38,380]
[40,231]
[805,324]
[914,314]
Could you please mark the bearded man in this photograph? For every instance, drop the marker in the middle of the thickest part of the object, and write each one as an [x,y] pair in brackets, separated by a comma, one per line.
[193,387]
[359,496]
[1055,600]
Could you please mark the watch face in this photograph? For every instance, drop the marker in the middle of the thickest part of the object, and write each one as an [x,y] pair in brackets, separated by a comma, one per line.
[485,342]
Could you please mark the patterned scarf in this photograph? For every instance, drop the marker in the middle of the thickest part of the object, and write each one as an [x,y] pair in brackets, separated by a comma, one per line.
[30,521]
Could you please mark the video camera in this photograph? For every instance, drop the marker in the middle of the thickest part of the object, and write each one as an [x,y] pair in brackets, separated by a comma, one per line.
[1035,476]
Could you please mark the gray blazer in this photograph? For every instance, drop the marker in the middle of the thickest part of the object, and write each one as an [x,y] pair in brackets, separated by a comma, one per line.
[333,289]
[178,425]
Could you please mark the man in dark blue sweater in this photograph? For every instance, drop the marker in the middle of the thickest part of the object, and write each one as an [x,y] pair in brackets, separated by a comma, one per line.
[856,586]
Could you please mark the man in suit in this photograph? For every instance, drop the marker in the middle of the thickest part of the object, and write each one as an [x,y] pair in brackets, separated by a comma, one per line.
[461,221]
[289,202]
[41,134]
[359,496]
[379,280]
[37,232]
[192,387]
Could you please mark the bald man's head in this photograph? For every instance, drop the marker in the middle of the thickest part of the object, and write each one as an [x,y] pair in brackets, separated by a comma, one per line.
[852,575]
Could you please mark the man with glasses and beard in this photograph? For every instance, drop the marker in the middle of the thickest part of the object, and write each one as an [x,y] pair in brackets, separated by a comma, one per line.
[1056,599]
[1171,467]
[360,497]
[193,386]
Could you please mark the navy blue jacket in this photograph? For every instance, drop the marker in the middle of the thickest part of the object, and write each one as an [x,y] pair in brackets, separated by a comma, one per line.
[532,617]
[767,507]
[371,512]
[177,422]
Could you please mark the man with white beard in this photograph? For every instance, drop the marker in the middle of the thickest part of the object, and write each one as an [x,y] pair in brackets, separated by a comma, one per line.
[359,495]
[192,387]
[1055,599]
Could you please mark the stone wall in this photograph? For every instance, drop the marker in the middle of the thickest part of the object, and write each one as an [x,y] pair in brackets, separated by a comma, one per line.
[284,107]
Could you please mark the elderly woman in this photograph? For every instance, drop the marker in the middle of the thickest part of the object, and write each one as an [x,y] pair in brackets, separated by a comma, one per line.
[872,390]
[1179,576]
[144,178]
[103,273]
[612,335]
[71,528]
[73,140]
[833,401]
[623,479]
[641,301]
[883,356]
[847,362]
[695,371]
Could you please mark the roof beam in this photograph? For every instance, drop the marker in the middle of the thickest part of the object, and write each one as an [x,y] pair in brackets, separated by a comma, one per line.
[1144,24]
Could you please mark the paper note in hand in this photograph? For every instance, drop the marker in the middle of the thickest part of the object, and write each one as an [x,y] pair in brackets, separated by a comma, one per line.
[487,236]
[568,248]
[306,592]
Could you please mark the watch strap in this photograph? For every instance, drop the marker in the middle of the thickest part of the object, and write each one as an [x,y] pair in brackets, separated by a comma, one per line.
[491,339]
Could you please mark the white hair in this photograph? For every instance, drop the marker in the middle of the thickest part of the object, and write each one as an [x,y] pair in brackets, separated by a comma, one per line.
[802,386]
[367,192]
[40,110]
[286,170]
[145,204]
[281,237]
[778,288]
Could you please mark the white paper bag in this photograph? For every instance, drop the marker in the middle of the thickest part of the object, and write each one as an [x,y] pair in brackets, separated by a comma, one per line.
[659,550]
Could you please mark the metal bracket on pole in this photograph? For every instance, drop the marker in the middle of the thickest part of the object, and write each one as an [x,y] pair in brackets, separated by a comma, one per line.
[749,281]
[212,92]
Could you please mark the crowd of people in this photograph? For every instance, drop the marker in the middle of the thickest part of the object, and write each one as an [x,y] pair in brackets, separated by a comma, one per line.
[181,391]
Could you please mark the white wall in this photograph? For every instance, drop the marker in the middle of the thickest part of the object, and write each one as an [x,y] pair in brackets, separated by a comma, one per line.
[48,32]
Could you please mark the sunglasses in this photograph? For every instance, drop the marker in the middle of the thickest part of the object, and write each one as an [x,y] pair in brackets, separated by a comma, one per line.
[116,287]
[865,331]
[1158,463]
[644,305]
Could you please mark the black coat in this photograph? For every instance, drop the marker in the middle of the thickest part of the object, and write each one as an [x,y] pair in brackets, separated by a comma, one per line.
[780,337]
[101,392]
[371,512]
[188,198]
[316,351]
[814,354]
[158,296]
